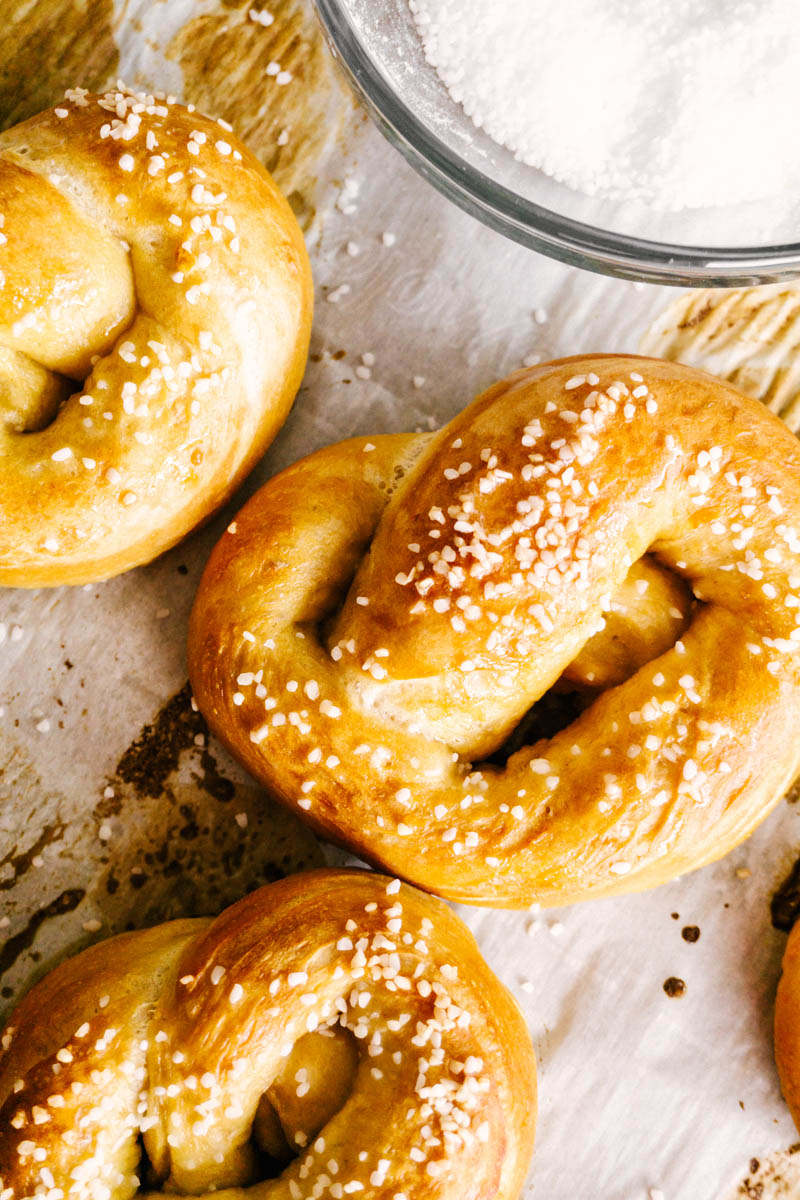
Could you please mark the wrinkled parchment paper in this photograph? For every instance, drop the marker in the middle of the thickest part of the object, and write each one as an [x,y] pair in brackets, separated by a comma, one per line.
[117,811]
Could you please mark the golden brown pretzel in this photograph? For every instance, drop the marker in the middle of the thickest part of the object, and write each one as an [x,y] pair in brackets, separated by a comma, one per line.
[381,615]
[426,1088]
[155,307]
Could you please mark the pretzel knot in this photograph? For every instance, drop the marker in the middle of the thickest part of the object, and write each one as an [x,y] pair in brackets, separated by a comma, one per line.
[381,616]
[155,304]
[335,1015]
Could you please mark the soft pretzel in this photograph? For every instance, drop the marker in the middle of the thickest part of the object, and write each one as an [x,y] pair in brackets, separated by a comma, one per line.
[787,1025]
[334,1010]
[155,306]
[381,615]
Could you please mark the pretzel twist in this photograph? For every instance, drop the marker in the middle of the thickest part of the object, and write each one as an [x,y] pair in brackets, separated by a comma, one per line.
[334,1009]
[381,615]
[155,307]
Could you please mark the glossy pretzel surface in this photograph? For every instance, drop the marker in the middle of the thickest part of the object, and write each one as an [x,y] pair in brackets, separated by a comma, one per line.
[381,615]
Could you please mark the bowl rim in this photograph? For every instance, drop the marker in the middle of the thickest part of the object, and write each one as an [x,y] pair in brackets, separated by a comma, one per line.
[573,242]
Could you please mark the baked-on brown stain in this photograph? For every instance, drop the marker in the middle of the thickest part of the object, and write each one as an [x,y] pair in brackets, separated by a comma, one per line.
[696,318]
[785,904]
[154,755]
[224,57]
[674,987]
[771,1177]
[187,840]
[189,826]
[11,950]
[690,933]
[16,863]
[49,46]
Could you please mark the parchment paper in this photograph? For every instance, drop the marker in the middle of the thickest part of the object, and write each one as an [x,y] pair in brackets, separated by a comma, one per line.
[116,812]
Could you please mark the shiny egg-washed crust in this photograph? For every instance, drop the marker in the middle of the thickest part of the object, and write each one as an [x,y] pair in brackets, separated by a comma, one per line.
[382,614]
[155,311]
[181,1033]
[787,1025]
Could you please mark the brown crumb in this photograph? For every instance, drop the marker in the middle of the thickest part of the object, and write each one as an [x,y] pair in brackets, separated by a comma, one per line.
[674,987]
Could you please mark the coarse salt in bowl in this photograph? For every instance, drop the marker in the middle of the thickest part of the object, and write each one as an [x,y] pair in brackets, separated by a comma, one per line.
[666,140]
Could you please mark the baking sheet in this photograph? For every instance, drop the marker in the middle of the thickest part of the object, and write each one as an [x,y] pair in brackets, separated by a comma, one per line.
[117,811]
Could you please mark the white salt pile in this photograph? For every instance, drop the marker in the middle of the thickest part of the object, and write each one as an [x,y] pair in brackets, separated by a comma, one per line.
[679,104]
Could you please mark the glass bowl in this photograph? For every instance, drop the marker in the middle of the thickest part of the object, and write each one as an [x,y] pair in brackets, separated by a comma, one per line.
[377,44]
